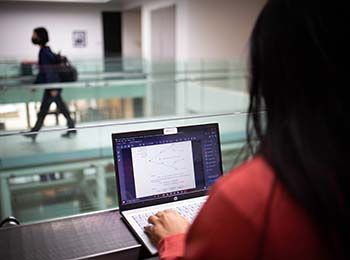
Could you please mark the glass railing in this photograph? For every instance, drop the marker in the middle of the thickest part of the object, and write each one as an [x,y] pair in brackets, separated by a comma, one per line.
[138,90]
[15,68]
[55,176]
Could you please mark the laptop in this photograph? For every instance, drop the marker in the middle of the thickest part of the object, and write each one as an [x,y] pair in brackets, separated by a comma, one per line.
[170,168]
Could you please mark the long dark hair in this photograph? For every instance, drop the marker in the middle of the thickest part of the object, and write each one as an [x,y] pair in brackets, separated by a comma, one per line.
[299,56]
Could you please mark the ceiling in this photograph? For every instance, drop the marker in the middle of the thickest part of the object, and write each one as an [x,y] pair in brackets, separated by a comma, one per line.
[122,2]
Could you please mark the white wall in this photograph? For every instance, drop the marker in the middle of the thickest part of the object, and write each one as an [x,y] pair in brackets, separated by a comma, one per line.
[163,33]
[131,34]
[17,21]
[147,9]
[206,29]
[220,29]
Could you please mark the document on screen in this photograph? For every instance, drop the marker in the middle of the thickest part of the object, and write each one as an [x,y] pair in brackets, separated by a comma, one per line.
[163,168]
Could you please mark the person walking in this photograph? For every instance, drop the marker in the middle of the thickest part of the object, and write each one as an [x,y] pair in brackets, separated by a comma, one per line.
[48,73]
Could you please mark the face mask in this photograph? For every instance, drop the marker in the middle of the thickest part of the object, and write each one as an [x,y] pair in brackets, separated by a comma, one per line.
[35,41]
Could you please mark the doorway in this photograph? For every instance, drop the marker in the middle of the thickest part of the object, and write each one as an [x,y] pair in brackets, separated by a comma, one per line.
[163,26]
[112,38]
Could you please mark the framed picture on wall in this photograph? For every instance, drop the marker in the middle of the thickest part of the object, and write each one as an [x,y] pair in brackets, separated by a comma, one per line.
[79,39]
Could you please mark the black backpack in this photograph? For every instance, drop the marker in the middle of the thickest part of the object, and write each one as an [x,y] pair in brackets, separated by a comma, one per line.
[66,71]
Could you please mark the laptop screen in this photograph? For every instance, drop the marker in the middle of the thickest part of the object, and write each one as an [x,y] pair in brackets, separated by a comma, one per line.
[164,163]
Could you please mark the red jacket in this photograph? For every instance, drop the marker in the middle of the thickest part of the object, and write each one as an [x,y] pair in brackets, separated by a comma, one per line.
[249,215]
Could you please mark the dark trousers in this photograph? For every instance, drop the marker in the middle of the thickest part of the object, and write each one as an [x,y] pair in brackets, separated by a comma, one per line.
[44,109]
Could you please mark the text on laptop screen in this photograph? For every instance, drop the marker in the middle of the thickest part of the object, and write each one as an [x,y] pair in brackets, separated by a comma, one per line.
[158,165]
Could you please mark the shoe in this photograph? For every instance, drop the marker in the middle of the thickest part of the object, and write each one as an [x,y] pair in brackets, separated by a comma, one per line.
[69,133]
[31,136]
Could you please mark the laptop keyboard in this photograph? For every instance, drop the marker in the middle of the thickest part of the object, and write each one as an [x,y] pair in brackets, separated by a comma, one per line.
[189,212]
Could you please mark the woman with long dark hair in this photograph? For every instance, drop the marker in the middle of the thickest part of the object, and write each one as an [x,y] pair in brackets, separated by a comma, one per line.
[290,200]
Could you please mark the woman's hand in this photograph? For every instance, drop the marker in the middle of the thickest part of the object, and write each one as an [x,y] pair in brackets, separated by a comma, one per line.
[165,223]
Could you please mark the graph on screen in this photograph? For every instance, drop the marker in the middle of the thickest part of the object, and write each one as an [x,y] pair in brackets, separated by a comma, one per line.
[163,168]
